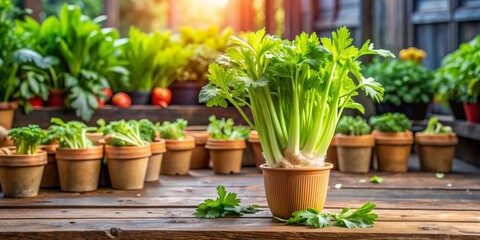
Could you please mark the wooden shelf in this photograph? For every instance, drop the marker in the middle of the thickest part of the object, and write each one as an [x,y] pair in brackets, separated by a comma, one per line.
[465,129]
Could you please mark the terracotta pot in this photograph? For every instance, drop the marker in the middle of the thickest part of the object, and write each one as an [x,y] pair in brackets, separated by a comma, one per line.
[436,151]
[155,161]
[79,169]
[50,177]
[393,150]
[332,156]
[257,149]
[293,189]
[95,137]
[185,93]
[176,161]
[7,111]
[200,155]
[127,166]
[56,98]
[226,155]
[20,175]
[472,111]
[354,153]
[5,140]
[36,102]
[140,97]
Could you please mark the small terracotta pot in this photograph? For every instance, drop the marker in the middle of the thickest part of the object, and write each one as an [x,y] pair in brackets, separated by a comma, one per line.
[79,169]
[354,153]
[20,175]
[472,111]
[50,173]
[257,149]
[56,97]
[7,111]
[176,161]
[127,166]
[393,150]
[436,151]
[200,155]
[95,137]
[155,161]
[293,189]
[226,155]
[332,156]
[5,140]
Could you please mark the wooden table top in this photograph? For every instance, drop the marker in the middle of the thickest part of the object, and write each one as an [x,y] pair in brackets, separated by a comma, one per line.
[412,205]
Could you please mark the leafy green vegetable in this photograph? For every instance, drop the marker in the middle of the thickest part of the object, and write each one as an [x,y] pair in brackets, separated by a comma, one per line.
[226,204]
[27,139]
[100,126]
[376,179]
[297,90]
[123,133]
[147,130]
[354,126]
[175,130]
[224,129]
[439,175]
[390,122]
[360,218]
[435,127]
[71,134]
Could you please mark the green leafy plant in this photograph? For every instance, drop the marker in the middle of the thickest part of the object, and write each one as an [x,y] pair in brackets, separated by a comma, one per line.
[70,135]
[354,126]
[27,139]
[225,129]
[435,127]
[226,204]
[360,218]
[101,124]
[376,179]
[175,130]
[390,122]
[123,133]
[404,81]
[296,90]
[148,131]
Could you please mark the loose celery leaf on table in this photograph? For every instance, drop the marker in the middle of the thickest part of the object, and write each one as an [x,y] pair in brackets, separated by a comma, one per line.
[226,204]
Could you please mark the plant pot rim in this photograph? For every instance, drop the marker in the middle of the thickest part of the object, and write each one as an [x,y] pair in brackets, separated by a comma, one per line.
[444,139]
[158,146]
[8,105]
[185,144]
[50,149]
[393,138]
[79,154]
[333,143]
[186,84]
[120,152]
[327,166]
[200,137]
[23,160]
[366,140]
[94,133]
[225,144]
[253,137]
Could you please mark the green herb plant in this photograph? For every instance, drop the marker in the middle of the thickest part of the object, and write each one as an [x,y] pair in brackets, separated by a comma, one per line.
[435,127]
[173,130]
[27,139]
[225,129]
[122,133]
[70,134]
[390,122]
[296,90]
[148,131]
[226,204]
[353,126]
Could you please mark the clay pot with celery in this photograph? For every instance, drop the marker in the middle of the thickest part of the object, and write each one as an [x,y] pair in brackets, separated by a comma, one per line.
[256,148]
[354,145]
[393,141]
[148,133]
[436,147]
[176,160]
[21,168]
[226,145]
[296,96]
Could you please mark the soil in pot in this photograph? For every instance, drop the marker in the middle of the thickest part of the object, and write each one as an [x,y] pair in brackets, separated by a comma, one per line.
[95,137]
[176,161]
[332,156]
[393,150]
[472,112]
[140,97]
[293,189]
[50,177]
[457,110]
[257,149]
[7,111]
[226,155]
[354,153]
[127,166]
[185,93]
[436,151]
[20,175]
[56,98]
[79,169]
[200,155]
[155,161]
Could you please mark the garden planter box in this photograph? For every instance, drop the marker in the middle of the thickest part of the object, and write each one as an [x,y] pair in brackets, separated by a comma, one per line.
[176,161]
[200,155]
[50,177]
[436,151]
[354,153]
[155,161]
[393,150]
[7,111]
[332,156]
[226,155]
[127,166]
[257,149]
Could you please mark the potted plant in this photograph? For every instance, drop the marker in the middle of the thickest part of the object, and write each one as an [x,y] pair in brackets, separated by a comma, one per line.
[354,145]
[200,155]
[176,161]
[226,145]
[95,134]
[408,86]
[456,77]
[297,91]
[78,160]
[393,141]
[436,147]
[50,177]
[127,154]
[21,168]
[148,134]
[254,141]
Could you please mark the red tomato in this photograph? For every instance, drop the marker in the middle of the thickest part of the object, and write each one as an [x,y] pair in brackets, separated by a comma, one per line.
[122,100]
[161,97]
[107,92]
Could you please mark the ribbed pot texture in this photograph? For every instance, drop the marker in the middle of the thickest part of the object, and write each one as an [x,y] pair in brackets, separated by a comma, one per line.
[127,166]
[293,189]
[155,161]
[393,150]
[332,156]
[20,175]
[354,153]
[436,151]
[79,169]
[257,149]
[176,160]
[200,155]
[227,155]
[7,111]
[50,177]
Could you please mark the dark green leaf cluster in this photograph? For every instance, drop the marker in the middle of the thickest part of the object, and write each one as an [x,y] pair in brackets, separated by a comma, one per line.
[27,139]
[404,81]
[436,127]
[360,218]
[225,129]
[175,130]
[390,122]
[353,126]
[70,135]
[226,204]
[123,133]
[148,131]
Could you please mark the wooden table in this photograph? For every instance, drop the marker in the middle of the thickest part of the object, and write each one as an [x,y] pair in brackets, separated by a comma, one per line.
[413,205]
